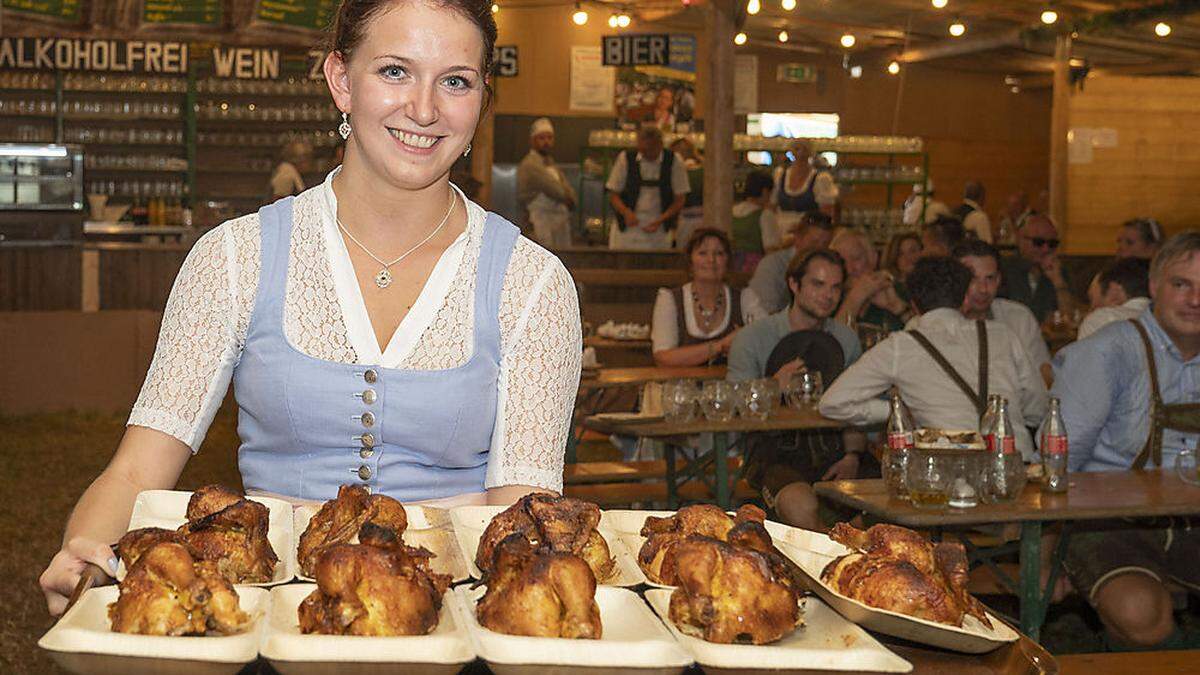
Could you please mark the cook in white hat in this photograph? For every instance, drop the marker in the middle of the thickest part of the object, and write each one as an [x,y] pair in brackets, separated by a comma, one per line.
[914,204]
[543,190]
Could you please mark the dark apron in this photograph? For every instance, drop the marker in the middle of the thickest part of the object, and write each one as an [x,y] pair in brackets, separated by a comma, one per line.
[979,399]
[1184,417]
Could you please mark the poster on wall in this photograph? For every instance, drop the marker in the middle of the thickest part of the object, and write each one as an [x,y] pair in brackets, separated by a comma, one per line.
[745,84]
[656,91]
[591,82]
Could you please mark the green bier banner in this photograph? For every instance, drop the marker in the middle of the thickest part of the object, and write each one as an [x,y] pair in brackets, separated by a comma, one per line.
[176,12]
[302,14]
[68,11]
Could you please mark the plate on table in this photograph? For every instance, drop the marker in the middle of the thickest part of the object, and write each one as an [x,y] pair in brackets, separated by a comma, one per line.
[291,652]
[427,526]
[826,641]
[471,521]
[812,551]
[168,509]
[632,639]
[83,641]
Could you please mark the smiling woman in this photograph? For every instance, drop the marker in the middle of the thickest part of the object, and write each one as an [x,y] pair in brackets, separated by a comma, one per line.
[380,328]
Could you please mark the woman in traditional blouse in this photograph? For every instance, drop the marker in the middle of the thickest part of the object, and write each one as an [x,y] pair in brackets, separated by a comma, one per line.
[379,329]
[694,325]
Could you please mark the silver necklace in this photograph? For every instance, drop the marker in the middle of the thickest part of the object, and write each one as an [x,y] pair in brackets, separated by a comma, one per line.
[383,278]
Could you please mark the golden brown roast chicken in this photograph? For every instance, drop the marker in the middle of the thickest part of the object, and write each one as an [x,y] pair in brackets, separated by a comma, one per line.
[899,570]
[730,594]
[538,591]
[563,524]
[377,587]
[168,592]
[340,519]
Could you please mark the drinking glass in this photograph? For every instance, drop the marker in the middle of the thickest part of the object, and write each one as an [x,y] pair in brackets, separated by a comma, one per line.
[679,400]
[1185,466]
[928,480]
[717,401]
[759,398]
[1004,479]
[965,470]
[804,389]
[895,470]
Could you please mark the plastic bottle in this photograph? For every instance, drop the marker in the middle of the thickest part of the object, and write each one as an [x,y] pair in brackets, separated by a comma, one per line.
[1054,450]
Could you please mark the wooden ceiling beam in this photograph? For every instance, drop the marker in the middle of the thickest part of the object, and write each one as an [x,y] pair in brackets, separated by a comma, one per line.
[1137,46]
[961,47]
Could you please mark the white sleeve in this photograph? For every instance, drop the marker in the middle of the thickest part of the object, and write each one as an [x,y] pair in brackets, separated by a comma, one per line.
[679,177]
[664,328]
[752,308]
[825,191]
[1032,387]
[854,395]
[616,178]
[203,329]
[978,222]
[541,349]
[768,224]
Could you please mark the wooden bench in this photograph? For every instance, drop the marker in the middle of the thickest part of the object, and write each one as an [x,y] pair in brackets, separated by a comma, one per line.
[622,483]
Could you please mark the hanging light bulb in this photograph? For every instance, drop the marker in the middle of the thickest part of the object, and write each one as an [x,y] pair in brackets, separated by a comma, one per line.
[612,20]
[495,7]
[739,39]
[623,20]
[788,5]
[1162,29]
[938,4]
[783,36]
[580,17]
[958,28]
[1049,16]
[848,40]
[893,68]
[753,7]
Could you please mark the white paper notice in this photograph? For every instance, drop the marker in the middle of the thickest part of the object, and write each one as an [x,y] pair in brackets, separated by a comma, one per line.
[1079,145]
[592,83]
[745,84]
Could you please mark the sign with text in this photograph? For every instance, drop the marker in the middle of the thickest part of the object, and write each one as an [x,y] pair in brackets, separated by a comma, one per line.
[57,10]
[185,12]
[800,73]
[303,14]
[636,50]
[505,58]
[116,56]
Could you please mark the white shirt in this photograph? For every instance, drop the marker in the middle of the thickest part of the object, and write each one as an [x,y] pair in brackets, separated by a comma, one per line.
[933,398]
[1021,321]
[933,209]
[664,329]
[649,202]
[978,222]
[208,313]
[1099,318]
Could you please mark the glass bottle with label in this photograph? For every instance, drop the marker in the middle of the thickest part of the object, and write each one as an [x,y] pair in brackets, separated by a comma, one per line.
[1005,472]
[1054,449]
[900,428]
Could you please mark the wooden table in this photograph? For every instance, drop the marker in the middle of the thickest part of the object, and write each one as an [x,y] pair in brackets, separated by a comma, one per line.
[1091,496]
[671,434]
[1184,661]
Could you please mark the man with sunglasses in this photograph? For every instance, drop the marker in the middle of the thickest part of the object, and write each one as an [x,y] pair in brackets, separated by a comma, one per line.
[1035,277]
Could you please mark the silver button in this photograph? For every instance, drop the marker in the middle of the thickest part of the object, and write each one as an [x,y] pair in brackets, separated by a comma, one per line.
[368,419]
[364,472]
[366,453]
[368,440]
[371,376]
[368,396]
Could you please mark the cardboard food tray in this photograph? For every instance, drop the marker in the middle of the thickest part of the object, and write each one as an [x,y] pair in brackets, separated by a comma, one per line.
[633,639]
[812,551]
[83,641]
[826,641]
[167,509]
[471,521]
[291,652]
[427,526]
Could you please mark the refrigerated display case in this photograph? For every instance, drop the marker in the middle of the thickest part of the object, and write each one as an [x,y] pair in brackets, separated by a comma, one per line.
[41,177]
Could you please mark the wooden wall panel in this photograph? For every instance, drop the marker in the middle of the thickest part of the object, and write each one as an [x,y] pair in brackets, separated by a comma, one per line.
[138,278]
[1152,171]
[39,277]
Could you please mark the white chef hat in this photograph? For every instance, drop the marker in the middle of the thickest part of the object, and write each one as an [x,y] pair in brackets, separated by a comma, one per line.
[926,187]
[541,125]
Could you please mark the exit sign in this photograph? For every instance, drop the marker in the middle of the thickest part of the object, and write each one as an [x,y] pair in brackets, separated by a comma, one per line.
[796,72]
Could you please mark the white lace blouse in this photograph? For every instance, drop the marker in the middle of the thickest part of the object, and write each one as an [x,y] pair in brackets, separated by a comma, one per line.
[208,314]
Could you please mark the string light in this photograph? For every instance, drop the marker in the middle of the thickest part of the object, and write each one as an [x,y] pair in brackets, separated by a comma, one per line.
[753,7]
[788,5]
[893,68]
[623,20]
[938,4]
[1162,29]
[612,20]
[739,39]
[848,40]
[495,7]
[783,36]
[580,17]
[1049,16]
[958,28]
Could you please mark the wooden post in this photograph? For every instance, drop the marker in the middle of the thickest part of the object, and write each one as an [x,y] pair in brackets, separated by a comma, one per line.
[483,152]
[718,116]
[1060,124]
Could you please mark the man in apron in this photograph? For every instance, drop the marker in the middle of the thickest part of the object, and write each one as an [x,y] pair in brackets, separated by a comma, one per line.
[1131,401]
[646,189]
[543,190]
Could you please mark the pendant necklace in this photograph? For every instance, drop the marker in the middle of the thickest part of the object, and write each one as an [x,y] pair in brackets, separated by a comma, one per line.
[383,278]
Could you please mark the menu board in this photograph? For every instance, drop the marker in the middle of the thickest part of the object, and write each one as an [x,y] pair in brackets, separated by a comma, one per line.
[195,12]
[305,14]
[59,10]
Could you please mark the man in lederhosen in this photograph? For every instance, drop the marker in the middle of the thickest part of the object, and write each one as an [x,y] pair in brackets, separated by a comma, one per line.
[1131,400]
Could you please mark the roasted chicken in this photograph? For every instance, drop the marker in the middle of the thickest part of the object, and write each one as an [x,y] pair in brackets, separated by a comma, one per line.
[378,586]
[730,594]
[538,591]
[562,524]
[899,570]
[340,519]
[168,592]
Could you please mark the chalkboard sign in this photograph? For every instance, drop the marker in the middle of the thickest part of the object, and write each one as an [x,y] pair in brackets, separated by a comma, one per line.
[305,14]
[195,12]
[59,10]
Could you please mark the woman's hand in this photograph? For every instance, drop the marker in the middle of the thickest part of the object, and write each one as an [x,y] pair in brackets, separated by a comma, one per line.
[61,576]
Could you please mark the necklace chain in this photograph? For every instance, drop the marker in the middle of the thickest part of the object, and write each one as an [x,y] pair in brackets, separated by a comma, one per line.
[383,278]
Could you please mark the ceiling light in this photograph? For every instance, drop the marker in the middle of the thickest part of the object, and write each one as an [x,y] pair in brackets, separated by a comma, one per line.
[855,72]
[958,28]
[739,39]
[1162,29]
[580,17]
[753,6]
[623,20]
[1049,16]
[495,7]
[612,20]
[783,36]
[894,68]
[938,4]
[788,5]
[848,40]
[1015,89]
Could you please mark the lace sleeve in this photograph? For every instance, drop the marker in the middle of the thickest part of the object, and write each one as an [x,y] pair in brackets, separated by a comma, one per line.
[203,329]
[539,370]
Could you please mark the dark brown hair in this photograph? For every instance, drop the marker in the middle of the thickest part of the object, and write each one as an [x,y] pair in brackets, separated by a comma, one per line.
[698,237]
[891,254]
[798,267]
[349,28]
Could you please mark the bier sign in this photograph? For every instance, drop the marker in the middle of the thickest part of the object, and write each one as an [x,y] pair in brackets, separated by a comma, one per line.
[505,58]
[636,50]
[115,56]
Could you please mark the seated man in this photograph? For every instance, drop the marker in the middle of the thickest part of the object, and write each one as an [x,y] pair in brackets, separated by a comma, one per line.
[1123,290]
[1035,276]
[784,475]
[769,283]
[871,295]
[981,302]
[1130,399]
[938,374]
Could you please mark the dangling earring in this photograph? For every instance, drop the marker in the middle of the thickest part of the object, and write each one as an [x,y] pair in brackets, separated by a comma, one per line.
[344,127]
[467,151]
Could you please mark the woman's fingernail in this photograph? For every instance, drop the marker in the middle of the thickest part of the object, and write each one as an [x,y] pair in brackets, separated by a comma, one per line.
[112,565]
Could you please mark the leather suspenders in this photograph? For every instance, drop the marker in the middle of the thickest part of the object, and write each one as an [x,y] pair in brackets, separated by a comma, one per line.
[978,398]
